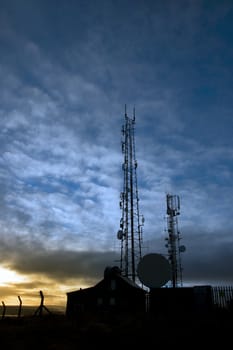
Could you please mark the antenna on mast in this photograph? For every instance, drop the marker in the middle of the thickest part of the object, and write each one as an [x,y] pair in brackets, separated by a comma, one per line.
[173,239]
[131,222]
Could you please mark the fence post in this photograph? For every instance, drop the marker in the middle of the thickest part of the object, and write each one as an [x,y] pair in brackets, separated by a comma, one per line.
[20,306]
[4,309]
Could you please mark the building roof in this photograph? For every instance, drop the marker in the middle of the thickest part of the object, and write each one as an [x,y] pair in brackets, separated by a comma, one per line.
[110,273]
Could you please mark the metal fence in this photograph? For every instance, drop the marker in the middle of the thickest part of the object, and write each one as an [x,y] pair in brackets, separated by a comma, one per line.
[222,296]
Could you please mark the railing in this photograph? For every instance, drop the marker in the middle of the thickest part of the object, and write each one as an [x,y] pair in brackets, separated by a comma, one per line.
[222,296]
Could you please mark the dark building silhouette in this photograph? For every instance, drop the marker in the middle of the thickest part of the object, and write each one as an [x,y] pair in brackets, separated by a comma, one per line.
[176,302]
[113,295]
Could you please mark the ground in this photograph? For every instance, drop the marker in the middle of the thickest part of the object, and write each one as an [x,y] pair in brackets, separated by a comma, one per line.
[58,332]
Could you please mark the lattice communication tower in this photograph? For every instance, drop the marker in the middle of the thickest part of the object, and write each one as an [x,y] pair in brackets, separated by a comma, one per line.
[131,222]
[173,239]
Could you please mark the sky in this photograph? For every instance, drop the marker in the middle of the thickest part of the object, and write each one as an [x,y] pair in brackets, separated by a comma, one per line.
[67,70]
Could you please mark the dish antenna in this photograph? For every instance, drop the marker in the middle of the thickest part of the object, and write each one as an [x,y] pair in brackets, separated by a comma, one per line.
[154,270]
[182,248]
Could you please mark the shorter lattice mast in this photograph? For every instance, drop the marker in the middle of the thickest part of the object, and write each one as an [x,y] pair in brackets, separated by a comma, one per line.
[173,239]
[130,232]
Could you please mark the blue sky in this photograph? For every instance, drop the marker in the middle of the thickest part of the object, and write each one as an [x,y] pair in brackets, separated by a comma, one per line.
[67,70]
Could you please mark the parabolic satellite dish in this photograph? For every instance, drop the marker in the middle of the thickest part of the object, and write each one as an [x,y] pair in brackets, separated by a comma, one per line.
[154,270]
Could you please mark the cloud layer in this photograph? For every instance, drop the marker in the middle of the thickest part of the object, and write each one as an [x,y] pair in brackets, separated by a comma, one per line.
[66,73]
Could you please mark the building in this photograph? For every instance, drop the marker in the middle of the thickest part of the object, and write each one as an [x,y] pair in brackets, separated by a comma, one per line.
[114,295]
[181,302]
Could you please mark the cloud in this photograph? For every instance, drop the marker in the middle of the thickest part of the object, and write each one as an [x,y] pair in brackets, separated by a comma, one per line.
[65,84]
[208,258]
[31,256]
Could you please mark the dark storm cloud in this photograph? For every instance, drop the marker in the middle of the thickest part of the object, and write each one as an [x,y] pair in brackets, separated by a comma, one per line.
[31,258]
[209,256]
[64,265]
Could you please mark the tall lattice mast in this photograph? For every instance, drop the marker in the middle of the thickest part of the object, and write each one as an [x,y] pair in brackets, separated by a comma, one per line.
[130,233]
[173,239]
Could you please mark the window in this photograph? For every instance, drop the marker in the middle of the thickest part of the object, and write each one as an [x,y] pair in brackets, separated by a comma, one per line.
[112,301]
[99,301]
[113,284]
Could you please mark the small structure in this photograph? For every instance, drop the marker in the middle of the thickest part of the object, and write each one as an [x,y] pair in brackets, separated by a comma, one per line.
[114,295]
[181,302]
